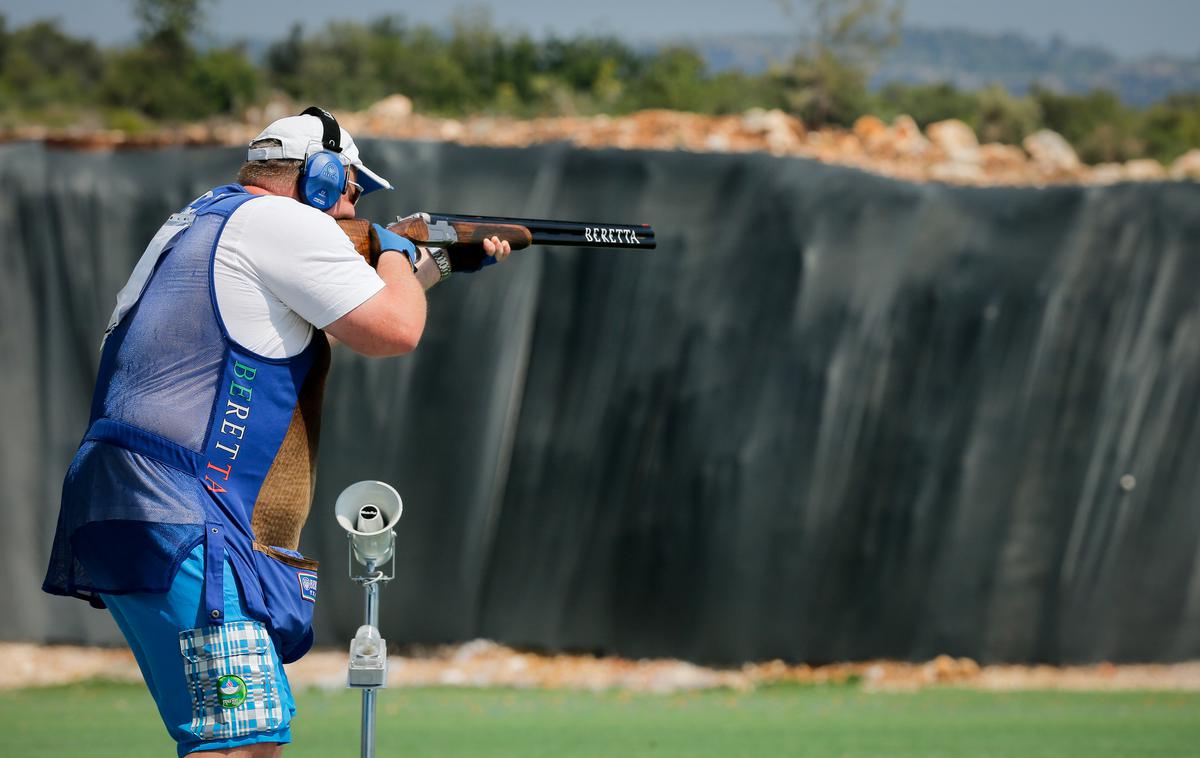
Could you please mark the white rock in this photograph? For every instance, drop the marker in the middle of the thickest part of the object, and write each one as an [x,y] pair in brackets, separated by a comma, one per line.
[782,140]
[392,108]
[1050,150]
[956,140]
[277,108]
[907,137]
[717,143]
[761,121]
[1187,166]
[756,120]
[1108,173]
[1144,170]
[451,130]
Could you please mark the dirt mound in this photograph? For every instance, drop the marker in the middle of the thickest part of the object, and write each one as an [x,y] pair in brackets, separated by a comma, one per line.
[946,151]
[486,664]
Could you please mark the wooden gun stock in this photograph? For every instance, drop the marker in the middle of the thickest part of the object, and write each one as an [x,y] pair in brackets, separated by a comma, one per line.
[448,230]
[366,241]
[362,236]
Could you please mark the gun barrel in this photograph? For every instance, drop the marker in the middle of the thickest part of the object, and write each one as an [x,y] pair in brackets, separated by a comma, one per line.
[573,233]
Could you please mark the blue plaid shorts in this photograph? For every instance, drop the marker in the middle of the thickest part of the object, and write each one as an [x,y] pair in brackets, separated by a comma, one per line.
[216,686]
[232,680]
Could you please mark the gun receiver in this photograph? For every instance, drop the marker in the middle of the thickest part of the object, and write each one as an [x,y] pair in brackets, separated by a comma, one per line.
[445,230]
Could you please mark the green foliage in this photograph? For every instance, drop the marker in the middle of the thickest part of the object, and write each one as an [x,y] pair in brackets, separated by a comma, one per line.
[179,85]
[1172,127]
[926,103]
[994,113]
[49,77]
[822,90]
[168,24]
[1002,117]
[478,69]
[826,81]
[40,66]
[224,81]
[144,79]
[127,120]
[856,32]
[166,78]
[1100,127]
[675,78]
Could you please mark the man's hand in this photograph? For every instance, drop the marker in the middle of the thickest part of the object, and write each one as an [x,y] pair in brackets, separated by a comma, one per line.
[468,258]
[497,248]
[389,240]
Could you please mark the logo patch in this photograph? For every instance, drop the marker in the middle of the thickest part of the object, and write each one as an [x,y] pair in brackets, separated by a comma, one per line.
[308,585]
[232,690]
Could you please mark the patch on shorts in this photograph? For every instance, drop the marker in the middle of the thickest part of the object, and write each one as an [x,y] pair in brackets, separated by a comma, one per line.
[230,671]
[308,585]
[232,689]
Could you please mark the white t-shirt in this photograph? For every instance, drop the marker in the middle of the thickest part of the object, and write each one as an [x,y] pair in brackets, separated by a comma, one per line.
[281,268]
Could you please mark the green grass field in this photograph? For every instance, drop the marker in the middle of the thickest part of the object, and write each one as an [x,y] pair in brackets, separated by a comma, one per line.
[101,719]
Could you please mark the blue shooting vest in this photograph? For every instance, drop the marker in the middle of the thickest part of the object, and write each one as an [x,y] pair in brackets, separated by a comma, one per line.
[194,438]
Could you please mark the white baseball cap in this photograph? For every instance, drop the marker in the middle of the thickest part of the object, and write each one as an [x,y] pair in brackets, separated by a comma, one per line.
[300,137]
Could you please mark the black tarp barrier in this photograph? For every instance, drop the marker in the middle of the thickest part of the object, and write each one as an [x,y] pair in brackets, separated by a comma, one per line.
[833,416]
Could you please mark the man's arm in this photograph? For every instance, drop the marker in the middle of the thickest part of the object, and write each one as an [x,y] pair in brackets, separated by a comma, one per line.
[391,321]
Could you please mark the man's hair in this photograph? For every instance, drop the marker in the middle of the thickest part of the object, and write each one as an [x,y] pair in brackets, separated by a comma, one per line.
[280,175]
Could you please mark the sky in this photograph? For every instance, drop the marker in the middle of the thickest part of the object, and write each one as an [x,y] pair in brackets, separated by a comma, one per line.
[1132,28]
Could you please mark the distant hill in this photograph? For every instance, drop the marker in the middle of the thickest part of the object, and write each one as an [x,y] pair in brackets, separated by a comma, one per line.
[972,60]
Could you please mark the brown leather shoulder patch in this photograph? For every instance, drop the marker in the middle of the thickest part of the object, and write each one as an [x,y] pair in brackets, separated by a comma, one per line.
[286,495]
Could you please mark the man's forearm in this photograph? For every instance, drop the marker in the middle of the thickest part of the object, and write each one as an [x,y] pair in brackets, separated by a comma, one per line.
[432,266]
[396,271]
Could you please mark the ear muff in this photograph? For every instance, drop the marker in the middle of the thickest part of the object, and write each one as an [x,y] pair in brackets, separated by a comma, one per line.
[323,179]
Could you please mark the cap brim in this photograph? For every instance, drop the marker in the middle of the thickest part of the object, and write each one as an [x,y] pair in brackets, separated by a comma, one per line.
[370,180]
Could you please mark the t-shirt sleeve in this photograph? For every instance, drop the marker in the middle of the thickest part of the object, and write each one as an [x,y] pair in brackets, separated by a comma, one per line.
[305,259]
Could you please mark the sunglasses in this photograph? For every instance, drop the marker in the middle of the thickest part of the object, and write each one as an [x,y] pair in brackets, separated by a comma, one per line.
[354,190]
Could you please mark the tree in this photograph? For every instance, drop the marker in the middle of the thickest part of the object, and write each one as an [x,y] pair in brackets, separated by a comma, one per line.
[1098,124]
[1172,127]
[169,24]
[40,66]
[673,78]
[164,77]
[856,32]
[926,103]
[841,41]
[1001,117]
[284,61]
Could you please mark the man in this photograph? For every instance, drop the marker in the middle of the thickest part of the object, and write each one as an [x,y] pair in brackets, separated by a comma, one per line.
[182,509]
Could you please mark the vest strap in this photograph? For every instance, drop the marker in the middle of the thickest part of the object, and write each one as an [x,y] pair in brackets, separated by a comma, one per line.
[224,200]
[214,572]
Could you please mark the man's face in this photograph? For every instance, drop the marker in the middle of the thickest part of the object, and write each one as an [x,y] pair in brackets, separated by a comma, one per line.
[345,204]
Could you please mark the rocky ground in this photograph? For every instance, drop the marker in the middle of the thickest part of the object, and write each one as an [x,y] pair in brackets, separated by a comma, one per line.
[486,664]
[947,151]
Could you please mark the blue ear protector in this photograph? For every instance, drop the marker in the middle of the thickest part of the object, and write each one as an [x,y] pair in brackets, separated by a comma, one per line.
[323,179]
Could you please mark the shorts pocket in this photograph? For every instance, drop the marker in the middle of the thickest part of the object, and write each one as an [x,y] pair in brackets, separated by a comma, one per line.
[289,585]
[230,671]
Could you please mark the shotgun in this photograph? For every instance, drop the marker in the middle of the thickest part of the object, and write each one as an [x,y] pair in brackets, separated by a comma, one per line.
[447,230]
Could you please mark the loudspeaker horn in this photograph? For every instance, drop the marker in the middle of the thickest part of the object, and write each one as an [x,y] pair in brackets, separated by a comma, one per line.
[368,511]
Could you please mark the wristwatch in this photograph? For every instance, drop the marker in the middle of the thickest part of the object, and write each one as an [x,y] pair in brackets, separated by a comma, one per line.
[432,266]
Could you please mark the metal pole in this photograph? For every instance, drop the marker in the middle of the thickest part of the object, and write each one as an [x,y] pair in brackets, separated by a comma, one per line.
[368,724]
[371,611]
